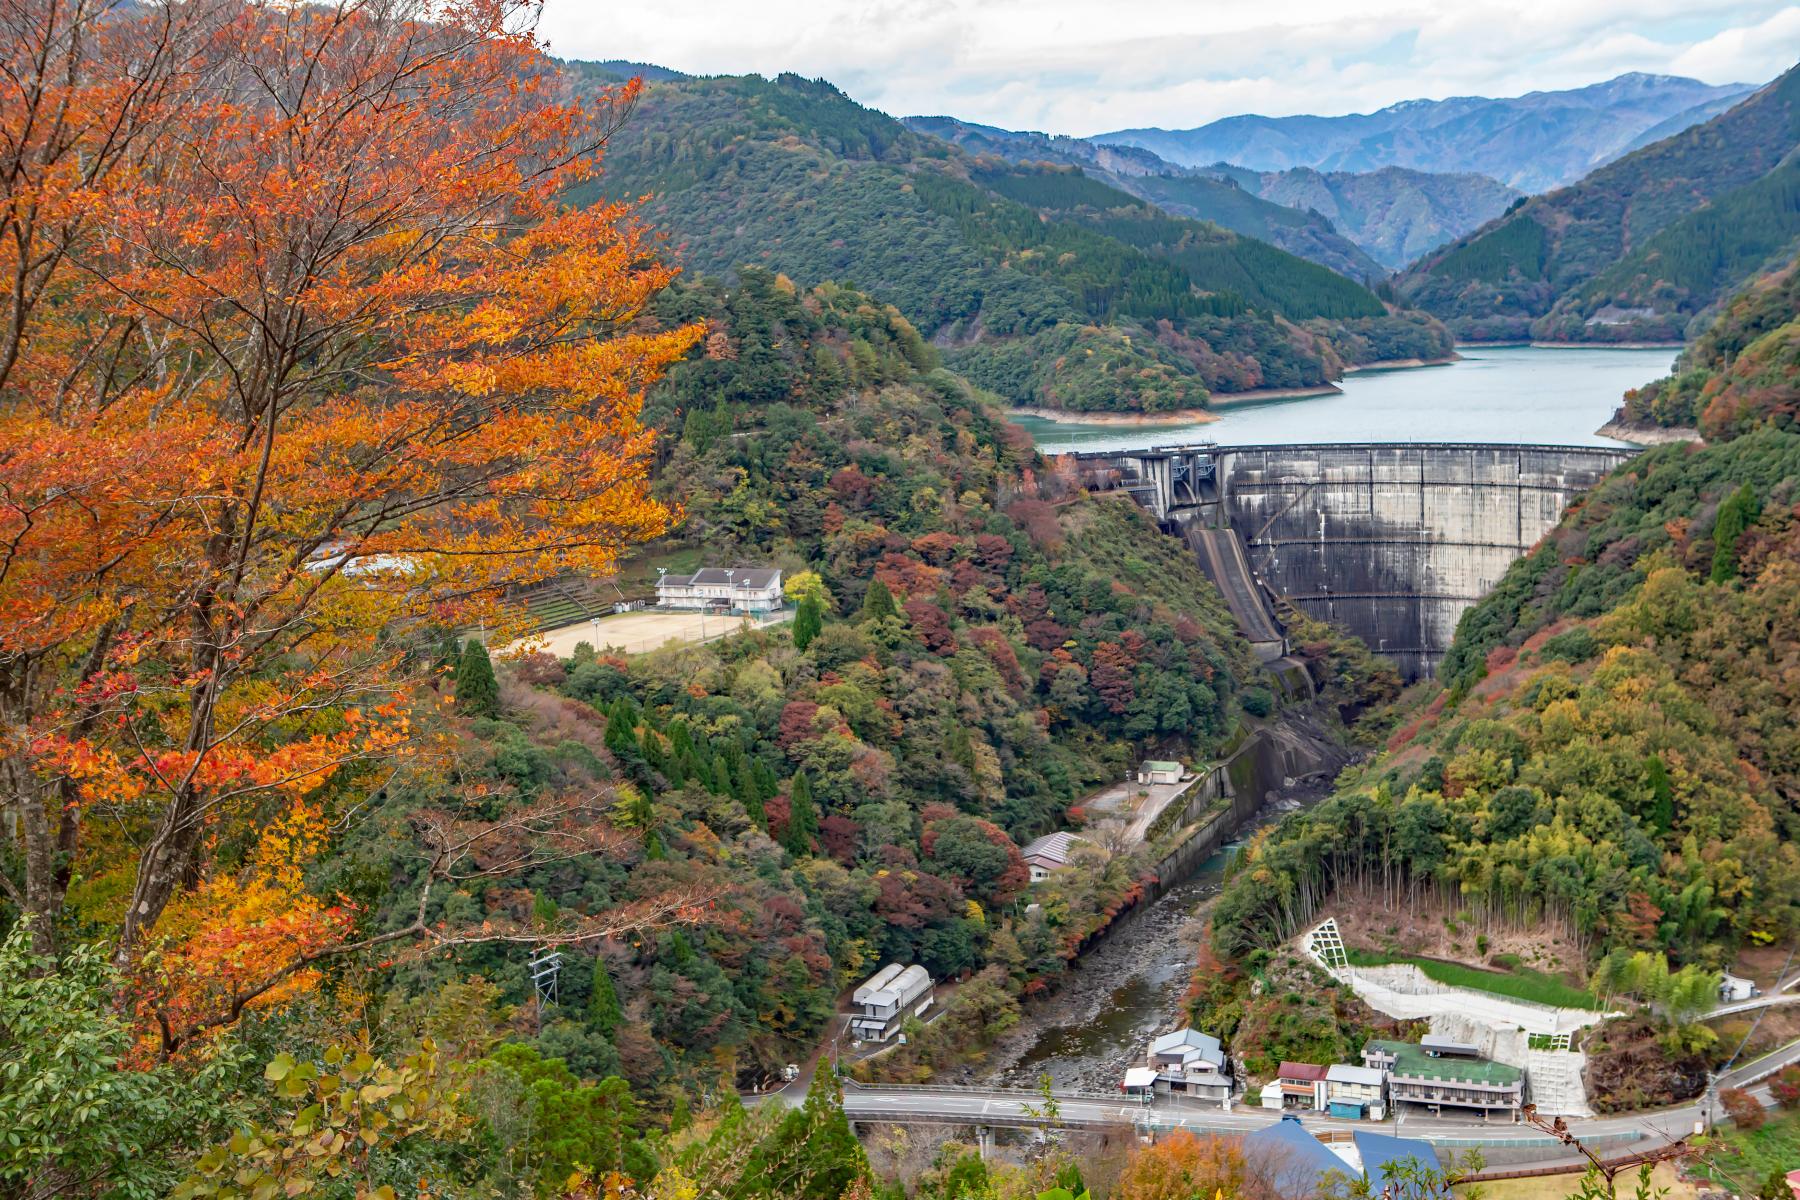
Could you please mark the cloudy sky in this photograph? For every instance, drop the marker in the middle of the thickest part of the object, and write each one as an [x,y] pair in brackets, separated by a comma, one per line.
[1088,66]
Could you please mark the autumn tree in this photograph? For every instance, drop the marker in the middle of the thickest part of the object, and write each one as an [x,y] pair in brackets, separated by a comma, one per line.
[302,356]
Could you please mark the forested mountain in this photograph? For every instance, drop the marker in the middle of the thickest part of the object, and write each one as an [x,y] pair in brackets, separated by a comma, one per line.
[1533,142]
[1043,285]
[1175,190]
[1640,247]
[1395,214]
[1742,370]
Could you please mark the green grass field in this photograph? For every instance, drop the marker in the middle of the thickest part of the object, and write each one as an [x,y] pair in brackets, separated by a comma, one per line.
[1742,1161]
[1521,983]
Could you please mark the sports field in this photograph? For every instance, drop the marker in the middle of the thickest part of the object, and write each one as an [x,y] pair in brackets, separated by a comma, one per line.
[637,632]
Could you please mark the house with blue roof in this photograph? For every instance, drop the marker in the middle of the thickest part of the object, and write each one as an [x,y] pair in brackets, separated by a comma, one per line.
[1298,1165]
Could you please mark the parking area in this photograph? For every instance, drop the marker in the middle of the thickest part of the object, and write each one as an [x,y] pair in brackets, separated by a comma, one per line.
[640,632]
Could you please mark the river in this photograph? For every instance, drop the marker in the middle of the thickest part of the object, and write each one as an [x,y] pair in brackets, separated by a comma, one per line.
[1529,394]
[1129,987]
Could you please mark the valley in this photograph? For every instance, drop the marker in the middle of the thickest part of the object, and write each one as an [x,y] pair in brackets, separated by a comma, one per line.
[573,629]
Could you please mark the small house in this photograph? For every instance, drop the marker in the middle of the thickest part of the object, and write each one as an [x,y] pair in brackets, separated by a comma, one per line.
[1049,853]
[1139,1082]
[1159,771]
[722,589]
[1733,988]
[1300,1085]
[1353,1092]
[886,999]
[1192,1063]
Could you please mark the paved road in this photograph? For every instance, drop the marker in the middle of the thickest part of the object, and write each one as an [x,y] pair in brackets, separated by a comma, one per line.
[1002,1107]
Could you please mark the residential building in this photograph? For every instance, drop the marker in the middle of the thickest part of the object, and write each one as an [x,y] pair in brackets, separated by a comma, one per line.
[1049,853]
[1733,988]
[1300,1166]
[1158,771]
[1192,1063]
[1353,1092]
[886,999]
[1300,1085]
[1439,1079]
[723,589]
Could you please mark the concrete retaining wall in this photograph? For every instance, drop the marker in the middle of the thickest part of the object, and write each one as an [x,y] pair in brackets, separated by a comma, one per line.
[1394,542]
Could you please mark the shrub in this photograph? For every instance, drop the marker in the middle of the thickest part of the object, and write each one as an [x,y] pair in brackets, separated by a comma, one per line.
[1743,1109]
[1785,1087]
[1259,702]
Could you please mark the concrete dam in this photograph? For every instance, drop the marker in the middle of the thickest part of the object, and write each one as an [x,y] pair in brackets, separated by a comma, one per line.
[1391,541]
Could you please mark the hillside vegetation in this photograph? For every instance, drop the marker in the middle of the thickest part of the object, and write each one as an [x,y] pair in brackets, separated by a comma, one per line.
[1743,370]
[1614,746]
[1639,248]
[1175,190]
[1042,285]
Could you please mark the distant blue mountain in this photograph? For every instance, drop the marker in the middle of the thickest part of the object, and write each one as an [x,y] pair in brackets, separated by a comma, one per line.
[1534,142]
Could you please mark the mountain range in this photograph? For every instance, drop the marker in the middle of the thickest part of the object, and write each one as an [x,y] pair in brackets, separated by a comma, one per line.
[1534,142]
[1639,249]
[1040,283]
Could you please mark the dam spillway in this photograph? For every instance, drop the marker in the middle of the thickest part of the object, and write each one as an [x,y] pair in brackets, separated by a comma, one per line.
[1391,541]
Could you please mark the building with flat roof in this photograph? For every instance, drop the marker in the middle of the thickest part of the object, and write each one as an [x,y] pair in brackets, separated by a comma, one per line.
[726,589]
[1353,1092]
[886,999]
[1438,1080]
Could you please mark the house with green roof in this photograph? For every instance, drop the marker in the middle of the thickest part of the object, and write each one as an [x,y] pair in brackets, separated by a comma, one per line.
[1442,1074]
[1158,771]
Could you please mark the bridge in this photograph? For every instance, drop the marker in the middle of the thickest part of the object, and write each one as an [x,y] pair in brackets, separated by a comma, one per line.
[1392,541]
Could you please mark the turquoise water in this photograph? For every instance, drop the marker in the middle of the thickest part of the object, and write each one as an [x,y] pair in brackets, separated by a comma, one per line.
[1513,394]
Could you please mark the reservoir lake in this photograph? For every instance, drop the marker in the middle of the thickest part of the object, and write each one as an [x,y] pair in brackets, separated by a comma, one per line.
[1517,394]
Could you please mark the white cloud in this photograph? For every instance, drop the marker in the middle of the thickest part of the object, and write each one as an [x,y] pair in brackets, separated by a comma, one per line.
[1078,67]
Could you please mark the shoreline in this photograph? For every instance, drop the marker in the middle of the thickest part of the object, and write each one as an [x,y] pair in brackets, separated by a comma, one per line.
[1532,344]
[1180,416]
[1648,435]
[1403,364]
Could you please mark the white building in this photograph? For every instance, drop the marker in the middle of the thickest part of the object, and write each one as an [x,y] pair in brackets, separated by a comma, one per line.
[886,999]
[727,589]
[1159,771]
[1049,853]
[1733,988]
[1192,1063]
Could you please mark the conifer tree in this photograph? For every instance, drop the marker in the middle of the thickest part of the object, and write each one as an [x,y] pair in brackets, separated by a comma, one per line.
[477,691]
[1736,515]
[807,622]
[878,602]
[803,817]
[721,777]
[604,1010]
[1662,794]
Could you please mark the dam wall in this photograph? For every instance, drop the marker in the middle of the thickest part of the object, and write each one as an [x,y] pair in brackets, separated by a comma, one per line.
[1391,541]
[1396,542]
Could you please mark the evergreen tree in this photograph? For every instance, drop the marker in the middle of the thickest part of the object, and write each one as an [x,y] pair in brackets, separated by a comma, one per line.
[1662,794]
[813,1154]
[807,622]
[680,1115]
[604,1010]
[878,602]
[477,691]
[803,817]
[1736,514]
[721,777]
[449,654]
